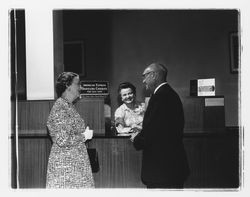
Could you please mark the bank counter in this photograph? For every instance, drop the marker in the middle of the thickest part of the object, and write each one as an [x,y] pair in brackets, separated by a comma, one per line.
[120,163]
[213,156]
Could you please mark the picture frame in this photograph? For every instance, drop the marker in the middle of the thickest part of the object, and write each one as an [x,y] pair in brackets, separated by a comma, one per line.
[234,52]
[74,59]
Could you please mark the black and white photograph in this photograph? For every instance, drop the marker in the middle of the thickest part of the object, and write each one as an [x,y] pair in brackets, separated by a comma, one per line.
[143,99]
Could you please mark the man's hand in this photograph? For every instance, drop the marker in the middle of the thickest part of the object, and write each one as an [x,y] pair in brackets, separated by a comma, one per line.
[136,126]
[133,135]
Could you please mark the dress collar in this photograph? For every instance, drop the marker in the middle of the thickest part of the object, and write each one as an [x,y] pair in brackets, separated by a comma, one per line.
[127,108]
[66,101]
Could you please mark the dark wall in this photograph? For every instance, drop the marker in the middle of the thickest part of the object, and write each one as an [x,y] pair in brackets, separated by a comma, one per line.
[192,43]
[93,28]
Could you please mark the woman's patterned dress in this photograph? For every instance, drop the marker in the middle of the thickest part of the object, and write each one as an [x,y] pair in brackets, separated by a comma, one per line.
[68,165]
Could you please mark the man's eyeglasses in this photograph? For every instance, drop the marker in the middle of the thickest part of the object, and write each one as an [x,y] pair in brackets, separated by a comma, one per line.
[146,74]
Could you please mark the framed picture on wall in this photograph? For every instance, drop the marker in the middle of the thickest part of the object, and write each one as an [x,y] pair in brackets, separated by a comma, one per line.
[74,57]
[234,52]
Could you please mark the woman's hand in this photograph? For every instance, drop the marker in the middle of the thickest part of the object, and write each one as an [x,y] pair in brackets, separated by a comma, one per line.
[121,129]
[88,134]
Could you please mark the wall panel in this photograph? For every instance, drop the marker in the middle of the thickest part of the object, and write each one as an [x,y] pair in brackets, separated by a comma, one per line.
[120,163]
[33,159]
[214,161]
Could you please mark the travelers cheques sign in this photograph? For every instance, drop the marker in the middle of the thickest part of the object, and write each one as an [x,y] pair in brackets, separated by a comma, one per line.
[94,88]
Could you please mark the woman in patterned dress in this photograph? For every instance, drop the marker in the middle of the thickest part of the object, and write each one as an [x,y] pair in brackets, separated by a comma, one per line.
[68,165]
[129,115]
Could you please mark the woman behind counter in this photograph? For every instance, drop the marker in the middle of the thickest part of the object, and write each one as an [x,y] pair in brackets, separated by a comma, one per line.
[129,115]
[68,165]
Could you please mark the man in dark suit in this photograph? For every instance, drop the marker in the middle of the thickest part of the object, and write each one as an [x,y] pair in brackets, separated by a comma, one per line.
[164,161]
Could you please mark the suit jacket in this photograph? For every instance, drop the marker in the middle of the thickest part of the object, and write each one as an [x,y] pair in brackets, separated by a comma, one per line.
[161,139]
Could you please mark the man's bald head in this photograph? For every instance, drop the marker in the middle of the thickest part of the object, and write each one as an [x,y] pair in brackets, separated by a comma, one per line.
[154,75]
[160,69]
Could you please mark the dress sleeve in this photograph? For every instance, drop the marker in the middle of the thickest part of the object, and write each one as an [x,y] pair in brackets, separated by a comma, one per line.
[119,117]
[62,129]
[119,121]
[119,113]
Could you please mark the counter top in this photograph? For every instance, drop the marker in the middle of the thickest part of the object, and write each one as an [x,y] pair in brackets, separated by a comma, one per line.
[111,133]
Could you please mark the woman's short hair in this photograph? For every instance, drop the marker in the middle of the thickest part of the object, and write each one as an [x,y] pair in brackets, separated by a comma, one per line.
[64,80]
[125,85]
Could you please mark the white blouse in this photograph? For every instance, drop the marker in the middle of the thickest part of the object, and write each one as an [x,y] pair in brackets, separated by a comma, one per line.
[126,119]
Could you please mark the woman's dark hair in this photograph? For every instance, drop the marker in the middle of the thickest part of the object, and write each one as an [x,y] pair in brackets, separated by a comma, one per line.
[124,85]
[64,80]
